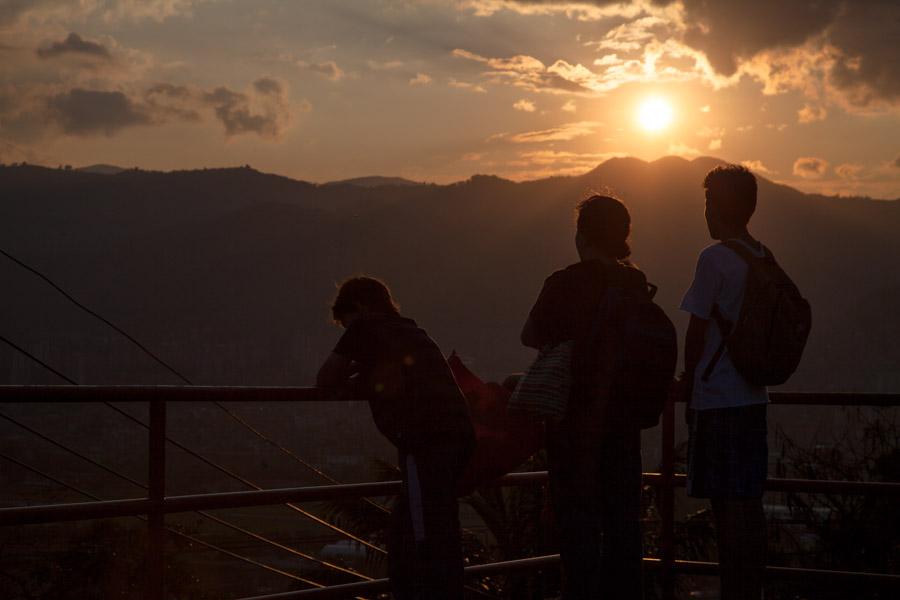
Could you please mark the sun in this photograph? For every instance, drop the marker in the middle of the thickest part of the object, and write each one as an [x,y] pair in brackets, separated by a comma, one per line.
[654,114]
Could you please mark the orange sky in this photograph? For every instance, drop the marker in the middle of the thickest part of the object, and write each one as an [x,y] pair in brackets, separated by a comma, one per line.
[806,93]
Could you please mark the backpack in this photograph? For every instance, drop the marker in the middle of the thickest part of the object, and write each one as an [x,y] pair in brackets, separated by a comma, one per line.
[637,347]
[767,341]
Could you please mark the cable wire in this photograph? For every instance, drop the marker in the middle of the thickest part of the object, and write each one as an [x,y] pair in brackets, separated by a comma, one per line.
[209,516]
[216,466]
[251,484]
[172,370]
[186,536]
[36,359]
[96,315]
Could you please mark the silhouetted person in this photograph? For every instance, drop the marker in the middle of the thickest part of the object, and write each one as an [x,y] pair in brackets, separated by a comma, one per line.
[391,362]
[727,451]
[594,454]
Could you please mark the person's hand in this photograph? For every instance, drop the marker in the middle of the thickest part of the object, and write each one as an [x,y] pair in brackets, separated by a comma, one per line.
[683,389]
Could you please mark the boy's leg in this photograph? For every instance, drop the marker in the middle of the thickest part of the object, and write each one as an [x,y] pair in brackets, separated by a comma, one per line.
[741,538]
[433,553]
[727,460]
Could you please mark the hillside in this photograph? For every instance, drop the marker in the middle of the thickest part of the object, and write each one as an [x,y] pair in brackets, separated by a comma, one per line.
[228,273]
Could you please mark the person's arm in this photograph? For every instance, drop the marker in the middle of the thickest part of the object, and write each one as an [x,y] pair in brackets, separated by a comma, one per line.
[694,343]
[334,372]
[699,301]
[537,330]
[529,335]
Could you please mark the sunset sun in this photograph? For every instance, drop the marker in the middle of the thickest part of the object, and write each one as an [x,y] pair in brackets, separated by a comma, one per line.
[654,114]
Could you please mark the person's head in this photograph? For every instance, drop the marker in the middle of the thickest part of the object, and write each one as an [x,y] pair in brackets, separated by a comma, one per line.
[360,296]
[730,200]
[602,228]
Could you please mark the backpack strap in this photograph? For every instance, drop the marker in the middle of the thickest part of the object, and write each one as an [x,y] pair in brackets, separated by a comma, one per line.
[724,325]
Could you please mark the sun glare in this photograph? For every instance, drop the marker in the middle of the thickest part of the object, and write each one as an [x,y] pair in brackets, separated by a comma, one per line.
[654,114]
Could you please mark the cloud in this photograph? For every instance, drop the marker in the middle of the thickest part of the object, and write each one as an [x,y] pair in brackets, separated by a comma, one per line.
[897,162]
[465,85]
[682,149]
[811,113]
[524,105]
[29,113]
[715,144]
[850,171]
[328,69]
[420,79]
[569,106]
[757,166]
[829,49]
[563,133]
[266,114]
[810,167]
[731,32]
[75,44]
[384,66]
[85,112]
[583,10]
[548,163]
[15,13]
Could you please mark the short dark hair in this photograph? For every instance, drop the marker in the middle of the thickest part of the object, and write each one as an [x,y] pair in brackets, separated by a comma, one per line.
[606,224]
[731,190]
[363,291]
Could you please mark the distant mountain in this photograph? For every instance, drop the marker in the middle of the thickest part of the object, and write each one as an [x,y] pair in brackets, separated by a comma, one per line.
[375,181]
[101,169]
[229,273]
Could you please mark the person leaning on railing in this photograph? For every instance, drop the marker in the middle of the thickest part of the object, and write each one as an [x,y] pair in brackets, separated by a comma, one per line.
[388,360]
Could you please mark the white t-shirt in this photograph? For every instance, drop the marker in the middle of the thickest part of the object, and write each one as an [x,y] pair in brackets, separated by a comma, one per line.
[719,280]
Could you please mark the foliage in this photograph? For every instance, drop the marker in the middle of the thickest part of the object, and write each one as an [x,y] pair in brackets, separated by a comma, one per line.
[848,532]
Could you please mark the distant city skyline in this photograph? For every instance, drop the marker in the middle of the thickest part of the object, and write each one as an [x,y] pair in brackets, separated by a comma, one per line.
[805,93]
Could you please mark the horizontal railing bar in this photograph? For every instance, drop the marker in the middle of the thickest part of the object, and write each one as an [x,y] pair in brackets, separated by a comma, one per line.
[75,511]
[169,393]
[173,504]
[204,393]
[696,567]
[379,585]
[833,399]
[684,567]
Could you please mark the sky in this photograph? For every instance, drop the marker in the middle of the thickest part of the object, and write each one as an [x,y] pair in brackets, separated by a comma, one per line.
[804,92]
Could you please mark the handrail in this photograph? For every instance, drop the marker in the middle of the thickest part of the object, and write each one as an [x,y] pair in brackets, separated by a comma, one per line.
[210,393]
[157,504]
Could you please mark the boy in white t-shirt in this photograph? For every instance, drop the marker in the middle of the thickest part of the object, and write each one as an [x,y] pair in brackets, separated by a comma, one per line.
[727,451]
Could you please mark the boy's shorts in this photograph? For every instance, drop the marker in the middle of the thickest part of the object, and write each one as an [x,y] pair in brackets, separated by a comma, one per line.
[728,454]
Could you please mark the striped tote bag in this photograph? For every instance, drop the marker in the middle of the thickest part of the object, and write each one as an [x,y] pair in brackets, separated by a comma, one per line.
[543,391]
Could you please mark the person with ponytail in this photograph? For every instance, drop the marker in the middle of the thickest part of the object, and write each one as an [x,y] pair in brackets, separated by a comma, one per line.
[594,453]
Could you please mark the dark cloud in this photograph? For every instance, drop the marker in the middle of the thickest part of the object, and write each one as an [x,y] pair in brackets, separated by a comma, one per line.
[234,109]
[74,44]
[86,112]
[267,85]
[730,31]
[897,162]
[11,10]
[862,34]
[169,101]
[867,33]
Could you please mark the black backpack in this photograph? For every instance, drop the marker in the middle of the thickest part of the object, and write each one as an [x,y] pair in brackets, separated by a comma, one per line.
[767,341]
[637,347]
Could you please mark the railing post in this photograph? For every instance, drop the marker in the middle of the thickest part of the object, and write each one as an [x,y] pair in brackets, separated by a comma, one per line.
[156,532]
[667,500]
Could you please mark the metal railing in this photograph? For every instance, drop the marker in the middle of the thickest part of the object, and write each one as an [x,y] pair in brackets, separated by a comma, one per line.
[157,504]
